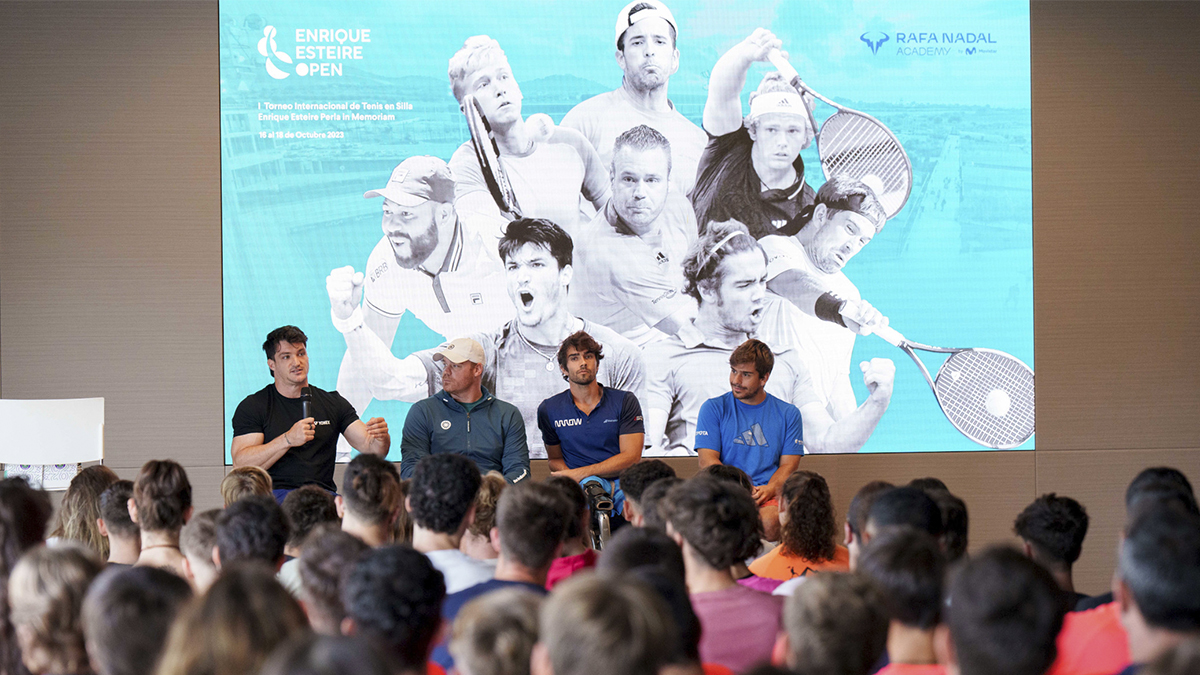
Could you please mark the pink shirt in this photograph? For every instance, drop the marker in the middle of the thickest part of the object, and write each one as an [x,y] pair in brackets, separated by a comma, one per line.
[738,626]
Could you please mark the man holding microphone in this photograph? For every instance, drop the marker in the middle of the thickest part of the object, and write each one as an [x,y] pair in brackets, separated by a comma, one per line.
[291,428]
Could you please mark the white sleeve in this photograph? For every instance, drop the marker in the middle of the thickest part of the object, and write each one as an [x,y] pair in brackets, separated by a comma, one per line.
[783,254]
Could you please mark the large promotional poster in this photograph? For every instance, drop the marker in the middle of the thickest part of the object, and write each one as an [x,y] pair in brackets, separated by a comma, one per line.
[848,181]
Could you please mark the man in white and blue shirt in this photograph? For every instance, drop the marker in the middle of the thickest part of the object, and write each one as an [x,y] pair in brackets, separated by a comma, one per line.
[752,430]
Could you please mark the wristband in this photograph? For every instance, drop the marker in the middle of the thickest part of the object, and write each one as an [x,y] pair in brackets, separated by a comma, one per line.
[349,323]
[829,308]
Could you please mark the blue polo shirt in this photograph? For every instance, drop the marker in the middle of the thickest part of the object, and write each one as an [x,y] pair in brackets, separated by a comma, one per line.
[750,437]
[589,439]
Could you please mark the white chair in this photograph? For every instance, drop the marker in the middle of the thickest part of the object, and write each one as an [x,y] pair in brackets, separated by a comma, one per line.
[47,440]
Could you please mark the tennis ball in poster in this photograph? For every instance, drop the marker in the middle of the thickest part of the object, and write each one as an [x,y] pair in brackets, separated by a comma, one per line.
[998,402]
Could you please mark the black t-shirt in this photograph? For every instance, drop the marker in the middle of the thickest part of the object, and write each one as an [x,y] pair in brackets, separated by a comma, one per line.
[728,188]
[271,414]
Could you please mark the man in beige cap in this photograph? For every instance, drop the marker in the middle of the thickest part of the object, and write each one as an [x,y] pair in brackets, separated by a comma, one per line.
[427,264]
[465,418]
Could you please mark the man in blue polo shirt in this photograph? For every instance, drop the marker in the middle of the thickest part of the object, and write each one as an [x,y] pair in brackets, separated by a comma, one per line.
[590,431]
[752,430]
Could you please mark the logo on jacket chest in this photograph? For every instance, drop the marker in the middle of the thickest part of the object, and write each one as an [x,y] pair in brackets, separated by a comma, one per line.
[445,425]
[575,422]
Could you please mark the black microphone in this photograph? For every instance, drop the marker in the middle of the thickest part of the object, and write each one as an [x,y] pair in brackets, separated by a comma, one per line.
[305,402]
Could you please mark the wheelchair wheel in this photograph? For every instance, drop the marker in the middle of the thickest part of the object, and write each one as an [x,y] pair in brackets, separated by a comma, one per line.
[601,532]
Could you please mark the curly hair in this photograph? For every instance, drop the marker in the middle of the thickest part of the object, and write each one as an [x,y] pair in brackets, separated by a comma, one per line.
[253,528]
[581,342]
[811,525]
[702,266]
[717,519]
[490,487]
[442,491]
[81,508]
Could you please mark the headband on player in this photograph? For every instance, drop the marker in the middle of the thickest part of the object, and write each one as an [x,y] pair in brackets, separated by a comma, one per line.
[788,102]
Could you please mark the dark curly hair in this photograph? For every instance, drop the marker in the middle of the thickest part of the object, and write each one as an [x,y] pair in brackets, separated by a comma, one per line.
[702,266]
[717,519]
[371,488]
[252,528]
[1055,526]
[394,594]
[637,477]
[442,490]
[811,525]
[581,342]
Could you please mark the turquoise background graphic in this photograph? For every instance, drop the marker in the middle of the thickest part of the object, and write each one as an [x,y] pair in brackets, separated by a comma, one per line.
[954,268]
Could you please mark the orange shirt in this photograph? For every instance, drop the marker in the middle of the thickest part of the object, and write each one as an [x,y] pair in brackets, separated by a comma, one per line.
[778,565]
[1091,643]
[912,669]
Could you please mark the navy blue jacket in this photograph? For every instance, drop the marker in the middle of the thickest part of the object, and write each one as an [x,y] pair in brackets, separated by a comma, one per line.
[492,434]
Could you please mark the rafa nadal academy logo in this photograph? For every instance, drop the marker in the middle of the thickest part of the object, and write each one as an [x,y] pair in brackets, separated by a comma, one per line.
[873,40]
[268,42]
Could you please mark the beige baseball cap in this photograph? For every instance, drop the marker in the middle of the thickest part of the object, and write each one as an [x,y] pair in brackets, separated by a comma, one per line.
[460,350]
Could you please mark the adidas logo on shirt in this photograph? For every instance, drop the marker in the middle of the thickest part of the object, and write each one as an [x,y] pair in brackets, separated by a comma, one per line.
[753,436]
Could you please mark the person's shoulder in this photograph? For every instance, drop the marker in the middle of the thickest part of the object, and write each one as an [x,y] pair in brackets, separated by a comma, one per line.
[464,165]
[257,399]
[718,404]
[611,340]
[588,109]
[568,137]
[780,406]
[665,349]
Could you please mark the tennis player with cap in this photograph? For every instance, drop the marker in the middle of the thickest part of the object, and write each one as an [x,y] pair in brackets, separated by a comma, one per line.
[647,54]
[426,263]
[465,418]
[751,168]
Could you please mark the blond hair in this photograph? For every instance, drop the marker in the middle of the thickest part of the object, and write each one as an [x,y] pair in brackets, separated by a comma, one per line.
[495,633]
[45,592]
[245,481]
[234,627]
[485,503]
[476,52]
[81,509]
